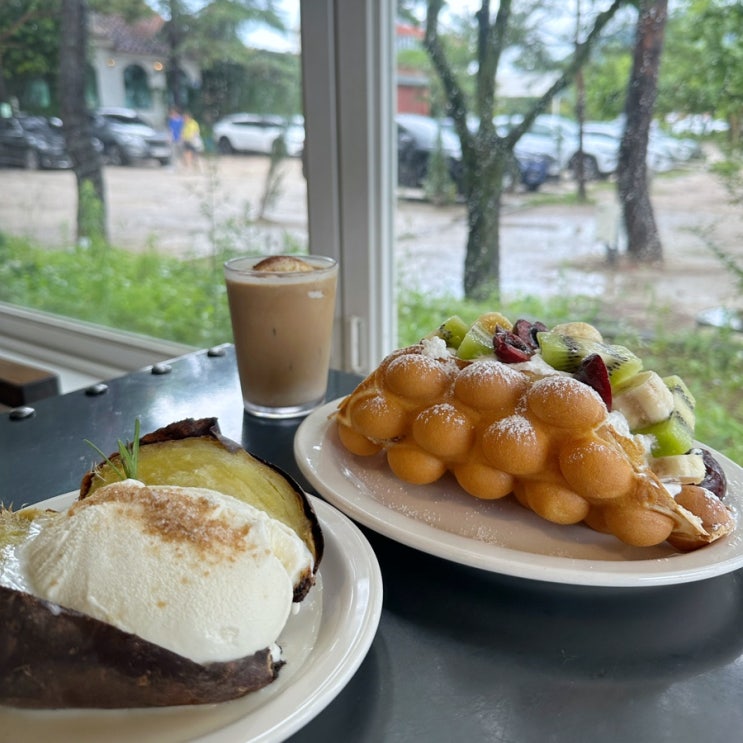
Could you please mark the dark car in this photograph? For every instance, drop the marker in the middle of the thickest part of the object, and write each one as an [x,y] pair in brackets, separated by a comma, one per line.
[32,142]
[534,167]
[418,137]
[128,138]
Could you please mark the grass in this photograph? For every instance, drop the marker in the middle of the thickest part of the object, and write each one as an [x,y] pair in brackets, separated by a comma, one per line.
[185,301]
[147,293]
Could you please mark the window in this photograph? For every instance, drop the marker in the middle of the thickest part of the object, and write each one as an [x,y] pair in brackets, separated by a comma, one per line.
[350,166]
[136,87]
[349,102]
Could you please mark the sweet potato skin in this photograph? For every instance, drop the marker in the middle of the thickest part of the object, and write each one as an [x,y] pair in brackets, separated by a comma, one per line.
[52,657]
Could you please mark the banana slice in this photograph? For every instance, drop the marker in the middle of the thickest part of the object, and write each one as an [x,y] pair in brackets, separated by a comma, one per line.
[688,469]
[578,329]
[644,400]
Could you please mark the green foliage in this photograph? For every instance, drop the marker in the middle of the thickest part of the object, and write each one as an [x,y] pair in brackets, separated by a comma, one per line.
[29,50]
[702,70]
[129,10]
[606,84]
[148,293]
[91,214]
[730,172]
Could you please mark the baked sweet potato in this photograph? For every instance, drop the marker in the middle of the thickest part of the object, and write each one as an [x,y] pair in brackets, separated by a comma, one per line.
[54,657]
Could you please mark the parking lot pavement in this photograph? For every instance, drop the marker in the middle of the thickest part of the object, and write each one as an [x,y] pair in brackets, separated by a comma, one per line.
[550,249]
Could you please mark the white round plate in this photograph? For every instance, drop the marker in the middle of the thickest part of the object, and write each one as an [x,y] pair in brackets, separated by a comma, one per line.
[499,536]
[323,646]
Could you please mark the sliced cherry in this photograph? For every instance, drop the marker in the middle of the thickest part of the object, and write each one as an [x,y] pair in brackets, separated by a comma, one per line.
[715,479]
[527,331]
[593,372]
[509,347]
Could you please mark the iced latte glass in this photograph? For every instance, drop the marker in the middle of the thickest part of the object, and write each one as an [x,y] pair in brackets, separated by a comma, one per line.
[282,310]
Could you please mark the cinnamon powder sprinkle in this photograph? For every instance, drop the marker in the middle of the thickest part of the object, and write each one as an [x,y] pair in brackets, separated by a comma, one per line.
[175,517]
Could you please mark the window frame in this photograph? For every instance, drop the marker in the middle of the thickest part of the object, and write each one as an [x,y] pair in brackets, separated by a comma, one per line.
[349,106]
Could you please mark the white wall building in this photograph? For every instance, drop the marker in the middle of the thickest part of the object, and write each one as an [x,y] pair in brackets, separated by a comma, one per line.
[129,64]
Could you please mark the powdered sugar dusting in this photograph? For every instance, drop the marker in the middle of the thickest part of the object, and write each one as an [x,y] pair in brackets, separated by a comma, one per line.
[435,348]
[517,427]
[487,369]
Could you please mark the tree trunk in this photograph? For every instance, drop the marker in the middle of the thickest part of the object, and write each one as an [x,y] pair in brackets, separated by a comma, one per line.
[483,198]
[643,240]
[86,161]
[485,155]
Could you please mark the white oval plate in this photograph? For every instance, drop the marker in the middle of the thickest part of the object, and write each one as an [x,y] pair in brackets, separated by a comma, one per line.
[323,645]
[499,536]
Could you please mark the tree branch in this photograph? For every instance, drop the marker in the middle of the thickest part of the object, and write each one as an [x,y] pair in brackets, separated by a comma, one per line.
[452,88]
[581,54]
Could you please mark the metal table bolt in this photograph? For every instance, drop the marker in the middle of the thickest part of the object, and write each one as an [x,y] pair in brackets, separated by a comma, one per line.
[22,413]
[96,389]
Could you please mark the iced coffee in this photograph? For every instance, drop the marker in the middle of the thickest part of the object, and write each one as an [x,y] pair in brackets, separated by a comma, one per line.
[282,310]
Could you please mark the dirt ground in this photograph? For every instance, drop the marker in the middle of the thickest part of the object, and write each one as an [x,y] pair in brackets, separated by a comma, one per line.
[545,250]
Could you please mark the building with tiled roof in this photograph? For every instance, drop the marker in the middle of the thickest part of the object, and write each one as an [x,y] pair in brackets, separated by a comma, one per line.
[129,63]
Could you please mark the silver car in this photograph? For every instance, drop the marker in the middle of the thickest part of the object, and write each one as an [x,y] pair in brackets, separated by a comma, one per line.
[127,137]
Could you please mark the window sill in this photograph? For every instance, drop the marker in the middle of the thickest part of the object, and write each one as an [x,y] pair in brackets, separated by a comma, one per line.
[81,353]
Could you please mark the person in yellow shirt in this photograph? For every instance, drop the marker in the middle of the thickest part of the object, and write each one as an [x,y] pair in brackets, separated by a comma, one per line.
[191,137]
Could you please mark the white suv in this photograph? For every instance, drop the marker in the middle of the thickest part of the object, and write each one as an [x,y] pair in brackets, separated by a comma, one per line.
[243,132]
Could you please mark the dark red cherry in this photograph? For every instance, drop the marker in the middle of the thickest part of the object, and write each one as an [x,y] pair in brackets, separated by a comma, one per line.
[593,372]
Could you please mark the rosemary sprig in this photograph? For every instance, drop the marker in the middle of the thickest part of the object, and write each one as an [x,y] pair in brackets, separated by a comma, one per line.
[128,452]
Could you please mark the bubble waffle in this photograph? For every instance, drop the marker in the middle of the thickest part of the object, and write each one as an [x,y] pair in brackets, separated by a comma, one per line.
[526,430]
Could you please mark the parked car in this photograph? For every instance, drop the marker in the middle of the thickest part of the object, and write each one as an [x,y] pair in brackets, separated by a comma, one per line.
[32,142]
[559,137]
[664,150]
[534,166]
[128,138]
[256,133]
[417,139]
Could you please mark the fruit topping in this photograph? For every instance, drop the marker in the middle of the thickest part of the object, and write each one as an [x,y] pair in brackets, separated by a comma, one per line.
[714,479]
[452,331]
[644,399]
[593,372]
[527,331]
[688,469]
[675,434]
[478,341]
[510,348]
[565,352]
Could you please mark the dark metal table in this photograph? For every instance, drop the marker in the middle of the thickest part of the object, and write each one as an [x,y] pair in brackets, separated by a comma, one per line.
[461,654]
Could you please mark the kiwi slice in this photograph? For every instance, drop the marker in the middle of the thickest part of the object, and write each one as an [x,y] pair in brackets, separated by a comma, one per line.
[452,331]
[565,353]
[683,400]
[671,436]
[675,435]
[478,340]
